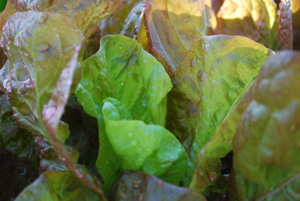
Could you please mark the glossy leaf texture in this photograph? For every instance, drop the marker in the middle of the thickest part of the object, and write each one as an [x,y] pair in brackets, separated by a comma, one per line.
[121,69]
[256,19]
[140,186]
[285,30]
[138,146]
[56,186]
[207,86]
[296,23]
[270,126]
[42,45]
[172,27]
[15,139]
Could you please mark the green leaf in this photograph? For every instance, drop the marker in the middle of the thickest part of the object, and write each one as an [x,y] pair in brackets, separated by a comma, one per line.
[56,186]
[265,146]
[256,19]
[29,83]
[2,5]
[140,186]
[121,69]
[207,86]
[138,146]
[173,26]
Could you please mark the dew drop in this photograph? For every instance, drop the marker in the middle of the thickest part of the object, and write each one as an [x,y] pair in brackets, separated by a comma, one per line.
[122,83]
[120,47]
[134,142]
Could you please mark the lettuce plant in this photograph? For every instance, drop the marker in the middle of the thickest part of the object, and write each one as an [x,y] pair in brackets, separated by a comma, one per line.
[149,100]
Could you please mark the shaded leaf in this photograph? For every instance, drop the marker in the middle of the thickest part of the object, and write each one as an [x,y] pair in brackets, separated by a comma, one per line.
[296,23]
[256,19]
[56,186]
[127,19]
[83,134]
[14,175]
[140,186]
[207,86]
[173,26]
[15,139]
[266,162]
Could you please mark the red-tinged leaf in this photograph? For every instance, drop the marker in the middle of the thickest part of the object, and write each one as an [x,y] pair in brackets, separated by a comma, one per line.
[52,114]
[256,19]
[140,186]
[172,27]
[285,31]
[84,13]
[126,21]
[35,43]
[207,86]
[265,146]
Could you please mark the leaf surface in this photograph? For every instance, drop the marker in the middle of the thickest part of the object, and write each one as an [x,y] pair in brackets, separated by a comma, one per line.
[121,69]
[173,26]
[34,43]
[149,148]
[285,30]
[15,139]
[140,186]
[127,20]
[266,162]
[207,86]
[256,19]
[56,186]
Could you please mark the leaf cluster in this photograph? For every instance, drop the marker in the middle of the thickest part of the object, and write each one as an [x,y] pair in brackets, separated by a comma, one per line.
[150,100]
